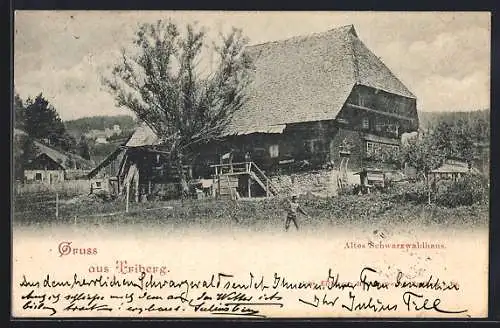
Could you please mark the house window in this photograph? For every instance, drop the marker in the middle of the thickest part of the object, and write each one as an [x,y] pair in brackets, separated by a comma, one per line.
[274,151]
[313,146]
[366,123]
[98,184]
[375,147]
[38,176]
[370,148]
[393,128]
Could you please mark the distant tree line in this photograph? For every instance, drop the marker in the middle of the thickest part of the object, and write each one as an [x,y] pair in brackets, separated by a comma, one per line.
[476,122]
[85,124]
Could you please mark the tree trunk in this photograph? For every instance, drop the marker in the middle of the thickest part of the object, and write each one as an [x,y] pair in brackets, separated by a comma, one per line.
[428,189]
[184,189]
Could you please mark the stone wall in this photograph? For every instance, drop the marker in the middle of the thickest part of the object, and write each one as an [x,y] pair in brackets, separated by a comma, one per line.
[320,183]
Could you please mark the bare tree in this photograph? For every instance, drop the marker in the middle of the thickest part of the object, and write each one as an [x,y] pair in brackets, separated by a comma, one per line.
[163,83]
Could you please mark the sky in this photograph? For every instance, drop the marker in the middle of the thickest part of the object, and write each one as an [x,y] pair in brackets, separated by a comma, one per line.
[442,57]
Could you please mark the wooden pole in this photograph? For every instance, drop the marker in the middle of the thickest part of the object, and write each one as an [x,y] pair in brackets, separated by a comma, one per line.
[249,187]
[136,178]
[57,205]
[267,187]
[127,197]
[218,188]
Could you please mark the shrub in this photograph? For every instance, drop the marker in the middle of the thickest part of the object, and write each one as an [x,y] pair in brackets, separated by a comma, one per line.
[416,192]
[466,191]
[347,190]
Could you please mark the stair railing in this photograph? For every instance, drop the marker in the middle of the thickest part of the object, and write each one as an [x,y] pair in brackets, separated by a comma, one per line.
[248,168]
[269,184]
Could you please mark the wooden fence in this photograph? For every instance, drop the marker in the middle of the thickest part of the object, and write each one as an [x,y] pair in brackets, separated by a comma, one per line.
[63,188]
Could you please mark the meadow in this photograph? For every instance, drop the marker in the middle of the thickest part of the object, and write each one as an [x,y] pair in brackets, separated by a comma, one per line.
[376,209]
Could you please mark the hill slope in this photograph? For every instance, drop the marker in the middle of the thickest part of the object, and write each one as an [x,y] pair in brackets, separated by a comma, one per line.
[83,125]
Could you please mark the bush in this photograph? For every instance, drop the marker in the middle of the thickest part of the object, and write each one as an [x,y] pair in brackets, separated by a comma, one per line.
[465,191]
[416,192]
[347,190]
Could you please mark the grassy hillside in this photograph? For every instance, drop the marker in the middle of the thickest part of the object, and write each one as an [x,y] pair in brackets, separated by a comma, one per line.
[82,125]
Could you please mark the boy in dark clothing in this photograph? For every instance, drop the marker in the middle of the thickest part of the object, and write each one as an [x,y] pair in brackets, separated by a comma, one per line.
[292,209]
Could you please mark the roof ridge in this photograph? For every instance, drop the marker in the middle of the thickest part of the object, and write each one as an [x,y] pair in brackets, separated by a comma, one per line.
[305,36]
[63,152]
[354,58]
[379,59]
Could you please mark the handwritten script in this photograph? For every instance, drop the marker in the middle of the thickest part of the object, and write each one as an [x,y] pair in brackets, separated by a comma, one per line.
[224,294]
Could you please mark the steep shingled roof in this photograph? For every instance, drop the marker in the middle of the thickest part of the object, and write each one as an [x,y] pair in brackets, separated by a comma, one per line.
[143,136]
[61,157]
[308,78]
[58,156]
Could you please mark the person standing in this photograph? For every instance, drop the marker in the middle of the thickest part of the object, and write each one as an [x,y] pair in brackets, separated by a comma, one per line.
[293,208]
[248,157]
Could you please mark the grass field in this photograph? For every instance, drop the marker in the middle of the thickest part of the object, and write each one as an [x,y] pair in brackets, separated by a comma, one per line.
[258,215]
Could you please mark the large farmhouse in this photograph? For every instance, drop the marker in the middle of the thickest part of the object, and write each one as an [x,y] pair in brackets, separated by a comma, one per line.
[314,100]
[313,94]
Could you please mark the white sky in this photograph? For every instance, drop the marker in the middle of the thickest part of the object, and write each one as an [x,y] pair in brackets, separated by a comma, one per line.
[443,58]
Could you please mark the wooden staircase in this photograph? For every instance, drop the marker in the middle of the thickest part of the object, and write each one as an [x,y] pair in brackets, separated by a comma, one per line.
[227,180]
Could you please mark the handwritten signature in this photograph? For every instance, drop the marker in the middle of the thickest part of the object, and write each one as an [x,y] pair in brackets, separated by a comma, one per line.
[222,294]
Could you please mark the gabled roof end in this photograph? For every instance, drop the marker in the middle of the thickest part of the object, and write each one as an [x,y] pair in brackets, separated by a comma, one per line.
[352,30]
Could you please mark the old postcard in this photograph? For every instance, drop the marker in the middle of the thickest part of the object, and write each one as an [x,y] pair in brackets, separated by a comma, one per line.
[251,164]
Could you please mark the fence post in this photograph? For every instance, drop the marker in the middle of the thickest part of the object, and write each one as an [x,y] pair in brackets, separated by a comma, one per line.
[127,197]
[57,205]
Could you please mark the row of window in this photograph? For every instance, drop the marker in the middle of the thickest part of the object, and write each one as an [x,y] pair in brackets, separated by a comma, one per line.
[311,146]
[380,126]
[377,147]
[50,176]
[315,146]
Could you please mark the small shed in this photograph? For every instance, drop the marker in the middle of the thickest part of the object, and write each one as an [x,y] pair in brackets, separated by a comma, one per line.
[452,170]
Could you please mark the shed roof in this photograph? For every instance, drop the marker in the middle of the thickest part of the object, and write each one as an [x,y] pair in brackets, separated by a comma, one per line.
[308,78]
[60,157]
[118,153]
[143,136]
[454,167]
